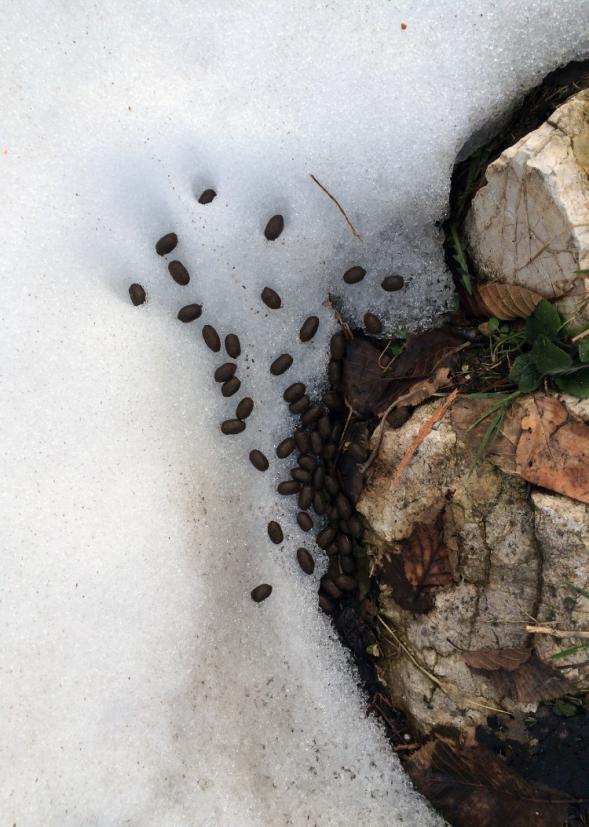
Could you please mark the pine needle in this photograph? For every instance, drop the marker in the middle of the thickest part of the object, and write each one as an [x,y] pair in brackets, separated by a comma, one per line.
[339,206]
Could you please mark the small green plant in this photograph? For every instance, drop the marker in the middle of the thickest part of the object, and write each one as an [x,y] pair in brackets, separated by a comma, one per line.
[550,354]
[459,257]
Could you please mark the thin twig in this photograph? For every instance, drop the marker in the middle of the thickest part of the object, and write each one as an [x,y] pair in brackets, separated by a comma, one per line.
[560,633]
[339,206]
[580,336]
[331,304]
[423,432]
[374,453]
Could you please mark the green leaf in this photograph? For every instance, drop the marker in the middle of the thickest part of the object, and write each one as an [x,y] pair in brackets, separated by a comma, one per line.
[493,324]
[584,349]
[545,320]
[577,383]
[525,374]
[572,650]
[564,709]
[548,357]
[582,592]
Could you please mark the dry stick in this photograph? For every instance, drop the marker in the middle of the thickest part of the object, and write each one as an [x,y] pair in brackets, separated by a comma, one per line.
[546,630]
[339,206]
[423,432]
[580,336]
[374,453]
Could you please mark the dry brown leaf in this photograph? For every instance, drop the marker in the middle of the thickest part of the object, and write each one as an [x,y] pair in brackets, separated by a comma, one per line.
[421,391]
[506,301]
[472,786]
[422,566]
[519,674]
[492,659]
[553,449]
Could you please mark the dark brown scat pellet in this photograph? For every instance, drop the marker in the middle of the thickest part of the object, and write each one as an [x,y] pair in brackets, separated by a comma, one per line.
[316,442]
[225,372]
[324,427]
[354,275]
[285,448]
[301,475]
[393,283]
[281,364]
[305,497]
[261,592]
[305,560]
[303,442]
[348,565]
[166,244]
[326,536]
[329,588]
[329,451]
[190,312]
[211,338]
[274,227]
[179,273]
[294,392]
[334,372]
[331,486]
[343,506]
[372,324]
[259,460]
[271,298]
[231,386]
[307,462]
[319,478]
[325,604]
[275,532]
[289,487]
[334,401]
[309,328]
[305,521]
[300,406]
[355,524]
[232,426]
[337,345]
[319,502]
[313,414]
[344,544]
[207,196]
[244,408]
[345,582]
[137,294]
[232,345]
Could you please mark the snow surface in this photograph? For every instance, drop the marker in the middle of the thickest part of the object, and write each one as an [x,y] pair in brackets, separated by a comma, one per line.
[139,683]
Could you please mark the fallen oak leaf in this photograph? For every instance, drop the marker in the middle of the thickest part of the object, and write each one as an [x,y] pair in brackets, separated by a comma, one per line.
[506,301]
[519,674]
[553,449]
[472,786]
[490,660]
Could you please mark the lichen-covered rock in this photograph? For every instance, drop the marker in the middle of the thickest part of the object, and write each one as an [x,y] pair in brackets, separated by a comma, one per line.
[514,558]
[529,224]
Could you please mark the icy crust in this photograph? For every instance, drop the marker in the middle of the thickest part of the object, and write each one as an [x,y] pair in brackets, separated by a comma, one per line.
[140,685]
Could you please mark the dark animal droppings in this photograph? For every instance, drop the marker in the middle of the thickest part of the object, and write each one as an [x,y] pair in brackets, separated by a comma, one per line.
[281,364]
[337,345]
[300,406]
[275,532]
[393,283]
[207,196]
[137,294]
[326,536]
[225,372]
[271,298]
[232,345]
[348,565]
[307,462]
[288,487]
[304,521]
[309,329]
[316,442]
[312,415]
[231,386]
[305,497]
[325,604]
[274,227]
[232,426]
[294,392]
[306,561]
[166,244]
[345,583]
[354,275]
[302,441]
[179,273]
[258,459]
[190,312]
[372,324]
[329,587]
[334,372]
[245,407]
[319,502]
[211,338]
[261,592]
[301,475]
[285,448]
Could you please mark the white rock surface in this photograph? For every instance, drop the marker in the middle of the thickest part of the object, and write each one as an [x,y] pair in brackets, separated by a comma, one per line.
[529,224]
[140,685]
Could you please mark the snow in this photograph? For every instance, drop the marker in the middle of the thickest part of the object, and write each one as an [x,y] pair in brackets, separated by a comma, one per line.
[139,683]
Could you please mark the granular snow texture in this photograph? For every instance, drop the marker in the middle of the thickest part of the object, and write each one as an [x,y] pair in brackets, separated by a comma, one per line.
[140,685]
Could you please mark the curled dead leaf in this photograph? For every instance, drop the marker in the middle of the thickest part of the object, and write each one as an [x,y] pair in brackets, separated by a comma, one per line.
[505,301]
[519,674]
[492,659]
